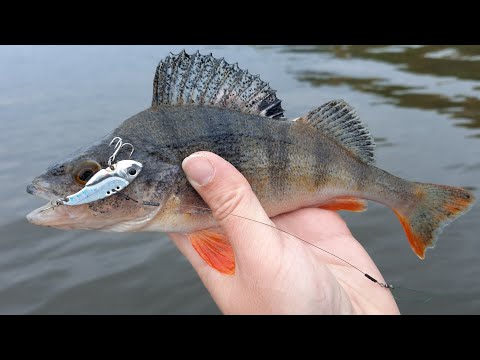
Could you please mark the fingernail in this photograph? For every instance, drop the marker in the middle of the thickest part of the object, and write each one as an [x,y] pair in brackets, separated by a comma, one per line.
[198,169]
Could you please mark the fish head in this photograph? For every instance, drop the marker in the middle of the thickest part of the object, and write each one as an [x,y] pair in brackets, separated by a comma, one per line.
[121,212]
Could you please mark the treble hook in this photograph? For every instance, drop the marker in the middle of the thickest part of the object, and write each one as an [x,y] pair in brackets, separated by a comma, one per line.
[118,146]
[131,152]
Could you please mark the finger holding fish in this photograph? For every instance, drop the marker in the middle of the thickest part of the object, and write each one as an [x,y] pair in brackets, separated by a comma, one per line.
[226,191]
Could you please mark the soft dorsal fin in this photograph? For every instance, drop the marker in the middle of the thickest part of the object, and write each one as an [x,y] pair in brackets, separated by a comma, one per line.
[203,80]
[339,121]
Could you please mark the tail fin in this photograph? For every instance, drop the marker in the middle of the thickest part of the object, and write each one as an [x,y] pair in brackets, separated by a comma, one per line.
[434,207]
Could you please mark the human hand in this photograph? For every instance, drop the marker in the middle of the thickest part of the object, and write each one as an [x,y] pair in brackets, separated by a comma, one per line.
[276,273]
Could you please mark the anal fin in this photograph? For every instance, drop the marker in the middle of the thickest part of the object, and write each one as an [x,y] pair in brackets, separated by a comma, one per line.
[345,203]
[214,248]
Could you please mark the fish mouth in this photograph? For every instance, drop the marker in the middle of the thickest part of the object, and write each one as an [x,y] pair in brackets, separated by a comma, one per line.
[44,216]
[42,191]
[78,217]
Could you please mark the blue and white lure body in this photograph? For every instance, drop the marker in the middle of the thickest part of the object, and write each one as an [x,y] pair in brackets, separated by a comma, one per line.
[105,183]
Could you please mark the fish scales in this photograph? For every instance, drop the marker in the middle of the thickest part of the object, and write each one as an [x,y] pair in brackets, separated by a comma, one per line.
[280,159]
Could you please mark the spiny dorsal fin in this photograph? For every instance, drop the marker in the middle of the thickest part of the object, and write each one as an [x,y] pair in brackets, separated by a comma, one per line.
[203,80]
[340,121]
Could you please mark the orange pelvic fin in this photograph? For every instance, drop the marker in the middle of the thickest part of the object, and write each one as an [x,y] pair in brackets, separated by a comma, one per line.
[215,249]
[345,203]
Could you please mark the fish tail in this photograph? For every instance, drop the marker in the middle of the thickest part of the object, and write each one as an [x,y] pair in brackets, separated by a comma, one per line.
[431,209]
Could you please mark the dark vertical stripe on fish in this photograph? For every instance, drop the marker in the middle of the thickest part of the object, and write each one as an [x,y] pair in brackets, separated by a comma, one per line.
[324,164]
[279,161]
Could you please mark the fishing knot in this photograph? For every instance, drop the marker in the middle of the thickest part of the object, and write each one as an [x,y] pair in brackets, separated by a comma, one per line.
[386,286]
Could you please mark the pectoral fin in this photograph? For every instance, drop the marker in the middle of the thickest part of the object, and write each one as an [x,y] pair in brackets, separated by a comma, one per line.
[214,248]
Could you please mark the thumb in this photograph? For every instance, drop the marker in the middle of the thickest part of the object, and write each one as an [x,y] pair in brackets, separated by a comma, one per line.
[232,201]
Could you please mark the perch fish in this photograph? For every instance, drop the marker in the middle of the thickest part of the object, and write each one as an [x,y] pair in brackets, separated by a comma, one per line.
[324,158]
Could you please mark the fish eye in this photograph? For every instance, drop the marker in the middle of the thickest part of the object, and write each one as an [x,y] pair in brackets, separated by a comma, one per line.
[132,171]
[85,171]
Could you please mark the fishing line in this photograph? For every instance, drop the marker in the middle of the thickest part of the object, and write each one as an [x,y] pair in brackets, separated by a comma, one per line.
[368,276]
